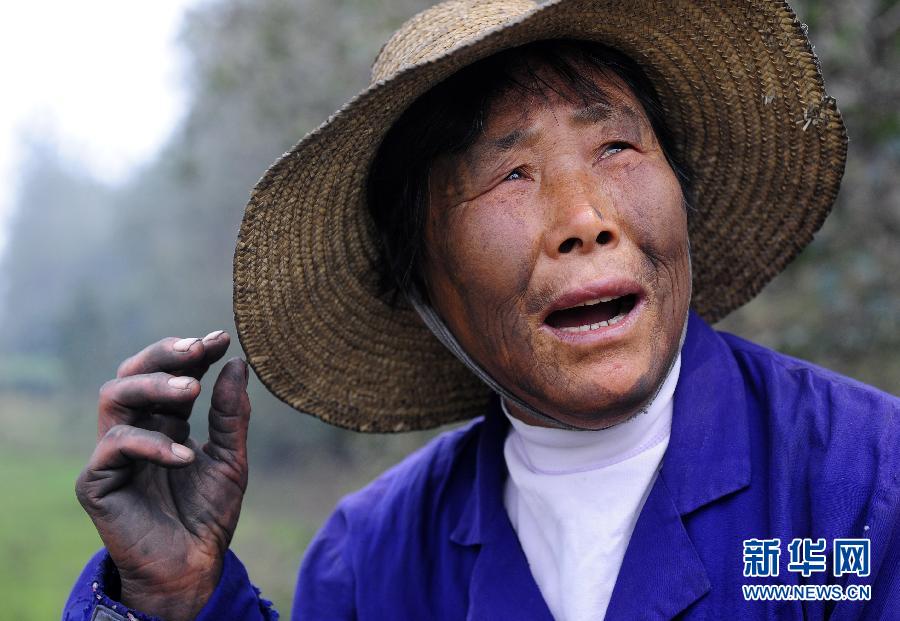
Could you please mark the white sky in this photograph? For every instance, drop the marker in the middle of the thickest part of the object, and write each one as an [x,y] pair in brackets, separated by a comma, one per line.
[102,76]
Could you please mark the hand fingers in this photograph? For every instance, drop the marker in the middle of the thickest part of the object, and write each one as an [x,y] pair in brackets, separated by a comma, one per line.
[191,356]
[175,428]
[126,400]
[159,391]
[120,448]
[229,415]
[123,445]
[215,344]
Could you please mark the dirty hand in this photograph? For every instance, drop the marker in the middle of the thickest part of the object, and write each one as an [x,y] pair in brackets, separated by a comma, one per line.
[165,507]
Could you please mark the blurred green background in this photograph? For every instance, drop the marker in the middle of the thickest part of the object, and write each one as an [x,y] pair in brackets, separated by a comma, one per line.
[92,272]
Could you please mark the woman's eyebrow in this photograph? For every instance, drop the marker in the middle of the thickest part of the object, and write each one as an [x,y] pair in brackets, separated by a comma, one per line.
[489,148]
[508,141]
[513,139]
[598,112]
[601,112]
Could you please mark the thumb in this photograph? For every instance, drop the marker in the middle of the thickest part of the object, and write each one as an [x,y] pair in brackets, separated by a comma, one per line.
[229,413]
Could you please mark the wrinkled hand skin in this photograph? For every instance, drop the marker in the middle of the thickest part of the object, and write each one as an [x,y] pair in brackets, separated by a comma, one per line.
[167,521]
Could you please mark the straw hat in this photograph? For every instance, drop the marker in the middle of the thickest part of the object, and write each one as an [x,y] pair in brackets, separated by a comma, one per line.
[740,88]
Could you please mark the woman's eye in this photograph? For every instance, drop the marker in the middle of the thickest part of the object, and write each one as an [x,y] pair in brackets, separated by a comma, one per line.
[613,148]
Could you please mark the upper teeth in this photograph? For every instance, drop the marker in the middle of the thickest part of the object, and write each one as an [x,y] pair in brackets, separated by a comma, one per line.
[597,301]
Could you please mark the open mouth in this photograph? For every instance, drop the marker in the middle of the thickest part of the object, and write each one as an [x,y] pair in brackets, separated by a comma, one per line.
[592,314]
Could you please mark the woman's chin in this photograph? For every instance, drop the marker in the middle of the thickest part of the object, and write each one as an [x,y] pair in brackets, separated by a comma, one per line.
[600,402]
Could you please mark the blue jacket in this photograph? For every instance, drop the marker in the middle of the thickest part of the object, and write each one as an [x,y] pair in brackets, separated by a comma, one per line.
[763,446]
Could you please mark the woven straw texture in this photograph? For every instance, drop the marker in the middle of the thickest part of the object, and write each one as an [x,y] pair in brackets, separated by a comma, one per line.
[740,87]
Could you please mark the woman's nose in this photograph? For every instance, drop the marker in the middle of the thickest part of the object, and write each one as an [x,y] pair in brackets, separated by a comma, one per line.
[581,217]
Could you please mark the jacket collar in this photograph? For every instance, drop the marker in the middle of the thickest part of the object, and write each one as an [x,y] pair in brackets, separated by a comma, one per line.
[709,449]
[707,458]
[484,512]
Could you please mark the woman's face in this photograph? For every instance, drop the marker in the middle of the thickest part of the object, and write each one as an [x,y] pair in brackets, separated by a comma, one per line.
[557,254]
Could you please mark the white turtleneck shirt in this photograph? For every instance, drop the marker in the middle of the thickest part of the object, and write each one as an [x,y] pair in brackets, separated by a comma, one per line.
[574,497]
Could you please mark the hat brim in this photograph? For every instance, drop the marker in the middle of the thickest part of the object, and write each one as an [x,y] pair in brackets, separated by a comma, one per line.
[742,92]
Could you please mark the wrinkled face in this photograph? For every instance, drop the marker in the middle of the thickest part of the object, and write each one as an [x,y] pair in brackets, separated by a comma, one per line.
[557,254]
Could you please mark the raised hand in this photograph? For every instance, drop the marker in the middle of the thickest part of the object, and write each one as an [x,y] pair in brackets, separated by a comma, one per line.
[166,508]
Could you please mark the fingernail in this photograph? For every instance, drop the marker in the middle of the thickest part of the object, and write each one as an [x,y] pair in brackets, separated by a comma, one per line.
[182,382]
[212,336]
[184,344]
[182,452]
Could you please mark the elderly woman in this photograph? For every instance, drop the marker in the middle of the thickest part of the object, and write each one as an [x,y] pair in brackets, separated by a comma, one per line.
[529,218]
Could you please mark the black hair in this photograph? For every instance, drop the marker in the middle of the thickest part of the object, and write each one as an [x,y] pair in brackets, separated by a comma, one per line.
[450,117]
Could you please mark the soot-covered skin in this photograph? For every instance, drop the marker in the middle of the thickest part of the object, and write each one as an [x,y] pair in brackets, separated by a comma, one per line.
[165,506]
[558,193]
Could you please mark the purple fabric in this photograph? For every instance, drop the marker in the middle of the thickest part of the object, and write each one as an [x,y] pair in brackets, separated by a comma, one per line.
[234,598]
[762,446]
